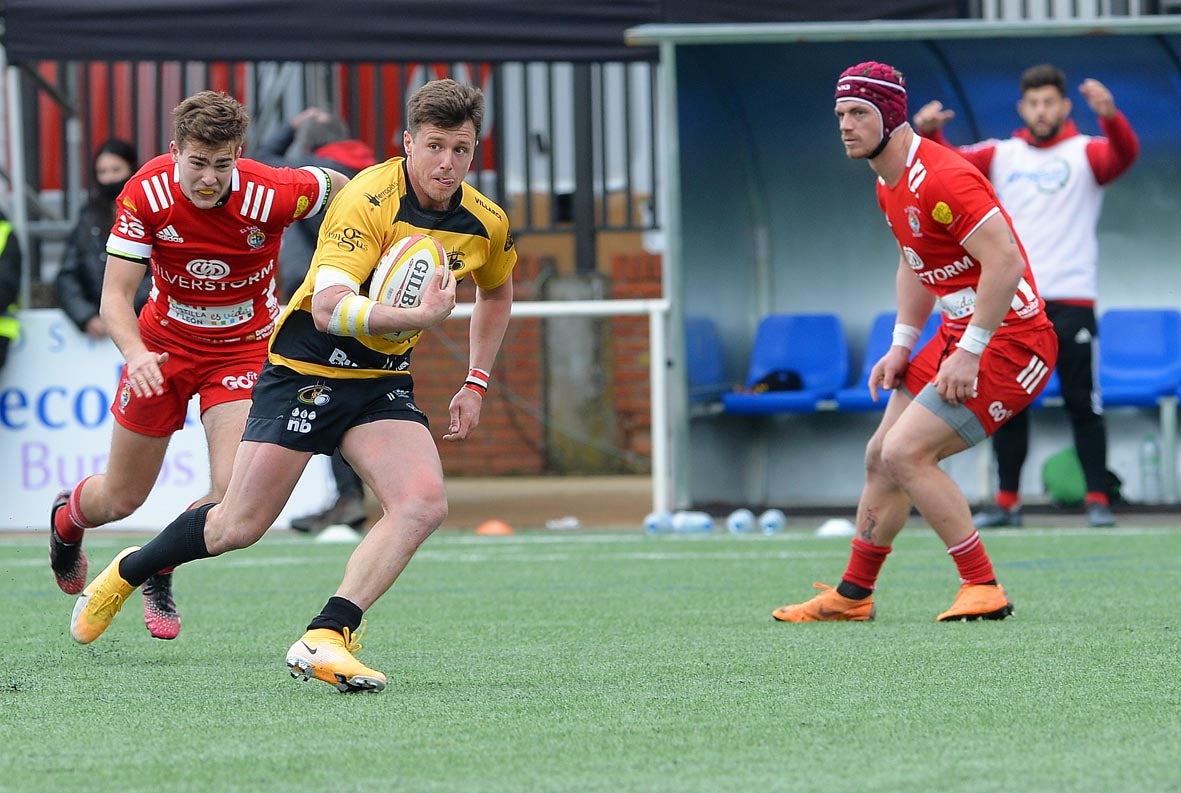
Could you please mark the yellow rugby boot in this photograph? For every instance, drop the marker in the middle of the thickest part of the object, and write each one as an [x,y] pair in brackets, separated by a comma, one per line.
[100,602]
[326,655]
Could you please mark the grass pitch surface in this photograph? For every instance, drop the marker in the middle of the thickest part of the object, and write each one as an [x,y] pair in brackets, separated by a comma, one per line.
[587,661]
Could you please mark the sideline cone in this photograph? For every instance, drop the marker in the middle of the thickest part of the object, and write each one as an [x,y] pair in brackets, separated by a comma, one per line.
[494,527]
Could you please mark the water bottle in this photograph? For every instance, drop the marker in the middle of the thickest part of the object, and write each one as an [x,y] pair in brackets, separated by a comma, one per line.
[658,522]
[692,522]
[772,521]
[1150,479]
[741,521]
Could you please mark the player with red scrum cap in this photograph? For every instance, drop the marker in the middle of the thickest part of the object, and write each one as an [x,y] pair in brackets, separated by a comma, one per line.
[991,357]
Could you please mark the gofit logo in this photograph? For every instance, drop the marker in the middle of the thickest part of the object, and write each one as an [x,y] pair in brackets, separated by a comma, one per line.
[208,268]
[243,381]
[301,421]
[314,395]
[998,411]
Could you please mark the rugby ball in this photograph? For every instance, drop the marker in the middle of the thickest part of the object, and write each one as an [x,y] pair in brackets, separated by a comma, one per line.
[403,273]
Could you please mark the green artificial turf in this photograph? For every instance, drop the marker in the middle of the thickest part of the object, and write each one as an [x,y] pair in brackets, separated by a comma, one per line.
[583,661]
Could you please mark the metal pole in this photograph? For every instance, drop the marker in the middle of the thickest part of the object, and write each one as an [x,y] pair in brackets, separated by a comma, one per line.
[658,390]
[584,171]
[1168,431]
[675,395]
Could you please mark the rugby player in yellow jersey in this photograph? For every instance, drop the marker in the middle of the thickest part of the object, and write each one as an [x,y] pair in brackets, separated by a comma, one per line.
[332,380]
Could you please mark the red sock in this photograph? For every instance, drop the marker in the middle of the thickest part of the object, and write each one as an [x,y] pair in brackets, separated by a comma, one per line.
[1097,497]
[972,561]
[865,562]
[1007,499]
[69,521]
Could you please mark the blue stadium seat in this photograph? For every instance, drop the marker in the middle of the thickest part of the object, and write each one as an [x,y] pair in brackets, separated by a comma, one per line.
[1140,356]
[704,364]
[811,345]
[1051,395]
[1140,366]
[881,333]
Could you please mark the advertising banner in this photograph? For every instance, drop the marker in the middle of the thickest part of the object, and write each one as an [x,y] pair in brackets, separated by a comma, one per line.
[56,392]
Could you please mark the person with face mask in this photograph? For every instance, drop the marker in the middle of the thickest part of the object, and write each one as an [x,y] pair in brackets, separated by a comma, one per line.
[80,278]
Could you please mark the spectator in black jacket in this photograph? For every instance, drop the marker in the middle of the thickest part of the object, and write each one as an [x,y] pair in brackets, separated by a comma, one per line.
[10,286]
[80,279]
[317,137]
[313,137]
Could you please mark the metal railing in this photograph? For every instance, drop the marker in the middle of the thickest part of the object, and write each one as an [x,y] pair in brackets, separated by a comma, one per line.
[566,147]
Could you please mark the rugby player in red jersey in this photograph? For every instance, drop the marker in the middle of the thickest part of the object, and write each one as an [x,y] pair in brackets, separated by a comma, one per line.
[993,353]
[208,223]
[339,376]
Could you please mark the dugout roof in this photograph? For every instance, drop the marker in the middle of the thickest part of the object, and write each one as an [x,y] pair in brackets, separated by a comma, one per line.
[795,226]
[384,30]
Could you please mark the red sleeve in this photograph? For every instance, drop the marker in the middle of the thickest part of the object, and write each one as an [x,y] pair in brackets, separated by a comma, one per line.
[979,154]
[1114,154]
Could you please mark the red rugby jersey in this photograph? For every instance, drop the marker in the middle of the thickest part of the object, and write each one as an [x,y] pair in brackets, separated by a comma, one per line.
[213,270]
[936,205]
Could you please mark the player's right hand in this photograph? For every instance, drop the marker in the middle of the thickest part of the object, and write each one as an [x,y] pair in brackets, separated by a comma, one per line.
[438,301]
[888,371]
[145,374]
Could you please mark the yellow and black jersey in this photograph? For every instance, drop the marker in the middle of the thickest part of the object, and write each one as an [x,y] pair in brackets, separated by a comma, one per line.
[375,210]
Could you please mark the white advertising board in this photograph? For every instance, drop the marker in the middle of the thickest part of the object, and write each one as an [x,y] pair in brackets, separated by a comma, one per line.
[55,428]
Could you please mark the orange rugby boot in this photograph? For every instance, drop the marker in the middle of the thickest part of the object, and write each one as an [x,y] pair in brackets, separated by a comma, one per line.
[978,602]
[828,606]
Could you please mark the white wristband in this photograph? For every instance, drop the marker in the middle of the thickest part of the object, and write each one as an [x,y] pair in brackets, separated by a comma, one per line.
[974,340]
[905,335]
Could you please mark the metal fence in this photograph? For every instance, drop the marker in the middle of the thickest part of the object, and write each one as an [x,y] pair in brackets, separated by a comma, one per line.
[566,147]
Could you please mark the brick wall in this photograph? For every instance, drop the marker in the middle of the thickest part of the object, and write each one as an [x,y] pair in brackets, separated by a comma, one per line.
[634,276]
[511,438]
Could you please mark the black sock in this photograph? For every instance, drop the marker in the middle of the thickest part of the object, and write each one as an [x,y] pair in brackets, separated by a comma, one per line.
[338,614]
[182,541]
[852,591]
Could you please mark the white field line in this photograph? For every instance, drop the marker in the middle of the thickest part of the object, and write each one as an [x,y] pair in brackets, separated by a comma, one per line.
[447,548]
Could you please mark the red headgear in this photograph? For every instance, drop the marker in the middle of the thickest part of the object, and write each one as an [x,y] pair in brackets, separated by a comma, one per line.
[880,86]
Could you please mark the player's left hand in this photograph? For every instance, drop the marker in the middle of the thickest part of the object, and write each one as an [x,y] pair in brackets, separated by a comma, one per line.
[956,379]
[1098,97]
[465,414]
[931,117]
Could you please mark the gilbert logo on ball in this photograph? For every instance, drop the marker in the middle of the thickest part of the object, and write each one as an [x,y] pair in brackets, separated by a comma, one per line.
[403,273]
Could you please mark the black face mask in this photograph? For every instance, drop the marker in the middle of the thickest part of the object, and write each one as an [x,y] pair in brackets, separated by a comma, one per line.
[110,191]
